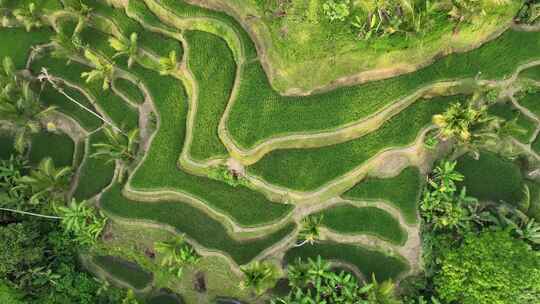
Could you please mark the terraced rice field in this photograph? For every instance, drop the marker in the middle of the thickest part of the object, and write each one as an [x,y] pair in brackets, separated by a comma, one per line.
[354,154]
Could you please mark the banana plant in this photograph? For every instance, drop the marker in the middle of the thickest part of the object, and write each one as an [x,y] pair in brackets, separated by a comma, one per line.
[66,47]
[83,13]
[168,65]
[258,276]
[84,222]
[20,105]
[175,254]
[47,181]
[118,148]
[103,70]
[310,231]
[126,47]
[29,16]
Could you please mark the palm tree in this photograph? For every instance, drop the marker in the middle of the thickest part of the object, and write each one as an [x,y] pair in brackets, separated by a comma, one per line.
[29,16]
[126,47]
[175,254]
[82,221]
[20,105]
[530,231]
[66,47]
[168,65]
[258,276]
[310,230]
[118,148]
[83,13]
[381,293]
[103,70]
[47,181]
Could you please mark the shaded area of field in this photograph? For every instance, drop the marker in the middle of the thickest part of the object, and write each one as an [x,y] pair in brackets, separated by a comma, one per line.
[126,271]
[59,147]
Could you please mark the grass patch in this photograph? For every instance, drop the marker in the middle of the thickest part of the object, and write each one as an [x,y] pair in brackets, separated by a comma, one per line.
[16,43]
[309,169]
[191,221]
[491,178]
[130,90]
[349,219]
[531,102]
[182,9]
[532,73]
[213,67]
[368,261]
[507,112]
[95,174]
[401,191]
[59,147]
[123,270]
[269,114]
[159,170]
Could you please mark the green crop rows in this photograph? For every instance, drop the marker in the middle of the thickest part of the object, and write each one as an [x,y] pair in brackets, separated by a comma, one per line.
[367,220]
[212,64]
[308,169]
[270,114]
[188,106]
[401,191]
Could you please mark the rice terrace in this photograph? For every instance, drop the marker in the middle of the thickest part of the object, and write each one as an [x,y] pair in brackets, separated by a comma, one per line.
[270,151]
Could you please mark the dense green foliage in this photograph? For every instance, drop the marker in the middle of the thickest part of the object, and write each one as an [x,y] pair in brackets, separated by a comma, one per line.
[315,282]
[491,267]
[401,191]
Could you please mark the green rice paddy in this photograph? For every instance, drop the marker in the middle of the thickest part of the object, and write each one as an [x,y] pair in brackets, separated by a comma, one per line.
[59,147]
[491,178]
[348,219]
[212,63]
[269,114]
[401,191]
[309,169]
[128,272]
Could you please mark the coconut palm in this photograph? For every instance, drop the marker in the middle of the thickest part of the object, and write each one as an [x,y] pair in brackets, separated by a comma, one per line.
[103,70]
[46,181]
[125,47]
[310,230]
[175,254]
[118,148]
[83,13]
[20,105]
[381,293]
[168,65]
[29,16]
[66,47]
[258,276]
[84,222]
